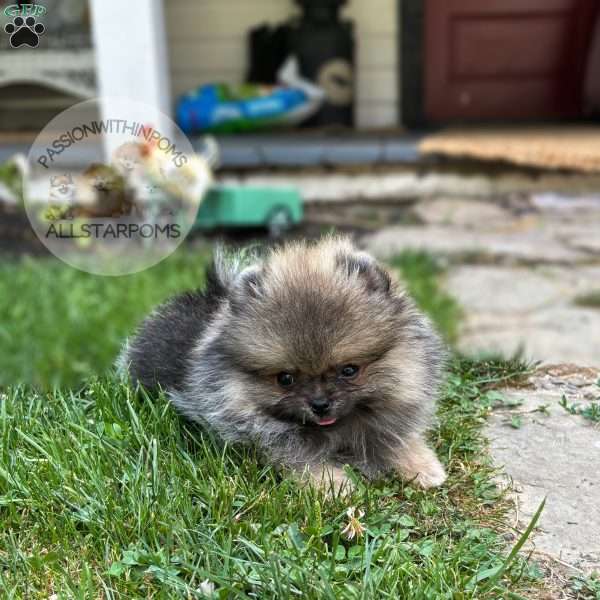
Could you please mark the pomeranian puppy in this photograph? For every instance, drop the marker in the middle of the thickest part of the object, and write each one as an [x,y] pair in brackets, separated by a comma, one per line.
[311,352]
[112,198]
[127,158]
[62,190]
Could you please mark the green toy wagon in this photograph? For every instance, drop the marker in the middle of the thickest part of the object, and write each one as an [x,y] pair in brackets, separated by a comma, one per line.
[276,208]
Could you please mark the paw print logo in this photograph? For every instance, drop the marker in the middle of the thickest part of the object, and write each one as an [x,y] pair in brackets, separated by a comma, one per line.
[24,32]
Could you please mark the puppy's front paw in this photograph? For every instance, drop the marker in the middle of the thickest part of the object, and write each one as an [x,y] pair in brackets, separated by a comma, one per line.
[418,463]
[432,475]
[329,478]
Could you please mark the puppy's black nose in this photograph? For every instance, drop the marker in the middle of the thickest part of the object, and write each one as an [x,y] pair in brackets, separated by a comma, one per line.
[320,406]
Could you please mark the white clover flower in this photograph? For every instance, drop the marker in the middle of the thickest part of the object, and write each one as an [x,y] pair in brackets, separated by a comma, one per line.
[206,588]
[354,528]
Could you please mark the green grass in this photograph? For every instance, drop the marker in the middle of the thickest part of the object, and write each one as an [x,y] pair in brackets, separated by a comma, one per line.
[105,492]
[59,325]
[586,588]
[589,300]
[11,177]
[421,273]
[590,411]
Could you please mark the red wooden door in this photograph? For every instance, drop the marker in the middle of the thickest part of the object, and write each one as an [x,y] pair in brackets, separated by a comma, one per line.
[505,59]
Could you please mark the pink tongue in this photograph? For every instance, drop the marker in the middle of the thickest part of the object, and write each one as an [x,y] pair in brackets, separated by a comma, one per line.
[327,421]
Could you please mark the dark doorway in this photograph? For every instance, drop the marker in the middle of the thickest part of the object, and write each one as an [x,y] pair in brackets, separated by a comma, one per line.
[494,60]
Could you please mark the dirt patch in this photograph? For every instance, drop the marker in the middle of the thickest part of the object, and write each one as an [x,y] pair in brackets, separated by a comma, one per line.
[567,371]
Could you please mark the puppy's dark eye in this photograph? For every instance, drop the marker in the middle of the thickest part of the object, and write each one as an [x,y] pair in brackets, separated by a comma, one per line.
[285,379]
[348,371]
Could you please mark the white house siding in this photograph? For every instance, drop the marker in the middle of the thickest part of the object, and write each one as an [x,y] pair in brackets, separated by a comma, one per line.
[207,42]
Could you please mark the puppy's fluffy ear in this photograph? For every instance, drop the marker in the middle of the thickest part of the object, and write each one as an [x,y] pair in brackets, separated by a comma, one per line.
[249,283]
[366,269]
[239,273]
[246,288]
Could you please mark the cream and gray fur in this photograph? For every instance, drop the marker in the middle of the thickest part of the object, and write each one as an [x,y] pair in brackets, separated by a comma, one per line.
[329,317]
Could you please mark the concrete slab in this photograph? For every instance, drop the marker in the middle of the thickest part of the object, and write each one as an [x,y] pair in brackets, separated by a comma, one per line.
[461,212]
[507,309]
[535,342]
[553,454]
[497,290]
[535,246]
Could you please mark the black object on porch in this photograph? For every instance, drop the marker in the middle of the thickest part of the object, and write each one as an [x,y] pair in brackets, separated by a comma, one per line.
[324,46]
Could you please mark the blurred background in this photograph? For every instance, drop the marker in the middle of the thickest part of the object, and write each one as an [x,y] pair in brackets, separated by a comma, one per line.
[457,139]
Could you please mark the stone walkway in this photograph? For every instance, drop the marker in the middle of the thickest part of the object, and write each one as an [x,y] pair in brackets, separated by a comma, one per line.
[548,452]
[520,269]
[526,271]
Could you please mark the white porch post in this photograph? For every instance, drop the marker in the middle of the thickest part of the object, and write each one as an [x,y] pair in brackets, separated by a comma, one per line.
[131,54]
